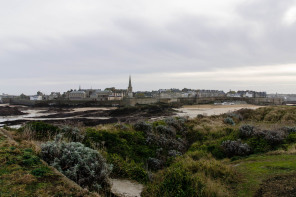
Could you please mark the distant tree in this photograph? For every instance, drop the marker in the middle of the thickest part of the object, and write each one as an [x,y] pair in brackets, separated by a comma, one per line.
[23,96]
[39,93]
[110,89]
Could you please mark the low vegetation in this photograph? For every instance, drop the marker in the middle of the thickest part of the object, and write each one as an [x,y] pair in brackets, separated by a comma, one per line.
[229,155]
[22,173]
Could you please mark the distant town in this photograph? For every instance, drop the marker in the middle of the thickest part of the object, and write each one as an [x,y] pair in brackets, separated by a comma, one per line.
[114,94]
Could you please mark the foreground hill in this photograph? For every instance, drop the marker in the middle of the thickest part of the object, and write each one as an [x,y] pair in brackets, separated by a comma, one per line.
[244,153]
[22,173]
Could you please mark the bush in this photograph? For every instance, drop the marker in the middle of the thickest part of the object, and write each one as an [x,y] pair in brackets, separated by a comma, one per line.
[122,127]
[40,172]
[41,130]
[274,137]
[235,148]
[229,121]
[291,138]
[128,169]
[246,131]
[154,164]
[143,126]
[165,130]
[175,181]
[83,165]
[177,123]
[72,133]
[289,130]
[258,144]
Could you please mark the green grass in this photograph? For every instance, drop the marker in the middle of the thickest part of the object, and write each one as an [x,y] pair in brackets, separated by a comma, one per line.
[257,168]
[23,174]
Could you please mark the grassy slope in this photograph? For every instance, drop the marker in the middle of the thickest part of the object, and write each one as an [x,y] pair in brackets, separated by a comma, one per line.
[258,168]
[16,179]
[249,173]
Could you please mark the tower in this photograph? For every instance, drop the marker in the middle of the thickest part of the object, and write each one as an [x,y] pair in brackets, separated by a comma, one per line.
[130,88]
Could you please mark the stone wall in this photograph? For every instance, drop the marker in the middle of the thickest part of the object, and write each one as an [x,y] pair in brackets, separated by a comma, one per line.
[146,101]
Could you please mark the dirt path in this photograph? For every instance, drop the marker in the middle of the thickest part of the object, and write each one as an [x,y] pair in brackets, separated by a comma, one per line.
[126,188]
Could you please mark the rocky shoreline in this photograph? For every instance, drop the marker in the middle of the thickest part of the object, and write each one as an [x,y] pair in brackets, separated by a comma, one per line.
[90,116]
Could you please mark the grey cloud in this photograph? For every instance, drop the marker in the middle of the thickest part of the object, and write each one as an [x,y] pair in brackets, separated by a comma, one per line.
[191,43]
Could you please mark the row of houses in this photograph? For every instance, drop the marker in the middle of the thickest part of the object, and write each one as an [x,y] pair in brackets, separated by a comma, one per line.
[97,95]
[190,93]
[112,93]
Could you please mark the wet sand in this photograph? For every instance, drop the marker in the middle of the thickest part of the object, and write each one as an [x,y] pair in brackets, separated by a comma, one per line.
[208,110]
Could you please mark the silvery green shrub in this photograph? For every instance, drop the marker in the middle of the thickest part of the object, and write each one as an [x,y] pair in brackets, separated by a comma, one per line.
[154,164]
[143,126]
[178,123]
[289,130]
[81,164]
[275,137]
[161,129]
[246,131]
[235,148]
[72,133]
[229,120]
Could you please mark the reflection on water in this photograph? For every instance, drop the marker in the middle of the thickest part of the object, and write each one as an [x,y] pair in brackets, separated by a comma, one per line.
[33,114]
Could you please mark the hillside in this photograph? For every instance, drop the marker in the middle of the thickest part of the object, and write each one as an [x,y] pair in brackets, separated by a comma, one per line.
[244,153]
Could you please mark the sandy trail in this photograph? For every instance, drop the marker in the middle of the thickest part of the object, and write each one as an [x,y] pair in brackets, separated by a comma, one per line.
[126,188]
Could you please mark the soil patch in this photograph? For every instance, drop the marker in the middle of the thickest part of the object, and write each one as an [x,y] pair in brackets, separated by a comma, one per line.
[284,185]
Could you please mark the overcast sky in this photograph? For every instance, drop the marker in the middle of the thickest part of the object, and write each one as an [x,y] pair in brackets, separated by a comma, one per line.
[56,45]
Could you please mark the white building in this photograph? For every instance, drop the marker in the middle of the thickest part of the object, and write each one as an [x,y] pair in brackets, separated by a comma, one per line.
[36,98]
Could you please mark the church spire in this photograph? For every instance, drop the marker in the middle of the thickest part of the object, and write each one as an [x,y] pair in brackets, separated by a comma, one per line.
[130,83]
[130,88]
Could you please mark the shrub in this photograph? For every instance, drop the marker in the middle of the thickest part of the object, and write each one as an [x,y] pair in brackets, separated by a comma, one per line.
[154,164]
[274,137]
[235,148]
[72,133]
[291,138]
[246,131]
[41,130]
[177,123]
[175,181]
[165,130]
[174,153]
[258,144]
[229,121]
[122,127]
[83,165]
[158,122]
[289,130]
[143,126]
[40,172]
[127,169]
